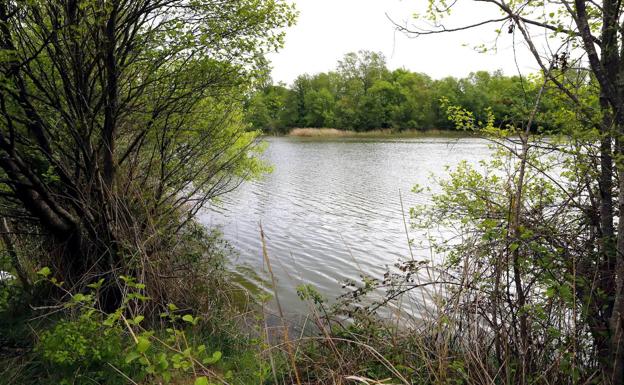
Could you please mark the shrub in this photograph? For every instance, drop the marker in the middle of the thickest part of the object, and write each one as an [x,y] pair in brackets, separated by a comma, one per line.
[82,350]
[94,347]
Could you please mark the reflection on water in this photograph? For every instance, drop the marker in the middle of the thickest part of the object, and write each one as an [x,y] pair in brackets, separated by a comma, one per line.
[332,207]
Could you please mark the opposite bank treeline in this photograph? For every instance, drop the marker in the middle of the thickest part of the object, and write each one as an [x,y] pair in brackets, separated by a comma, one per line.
[363,94]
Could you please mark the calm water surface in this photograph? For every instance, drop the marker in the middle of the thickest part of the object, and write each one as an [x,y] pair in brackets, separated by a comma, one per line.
[332,207]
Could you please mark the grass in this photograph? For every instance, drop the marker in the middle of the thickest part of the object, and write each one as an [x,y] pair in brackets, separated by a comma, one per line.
[380,133]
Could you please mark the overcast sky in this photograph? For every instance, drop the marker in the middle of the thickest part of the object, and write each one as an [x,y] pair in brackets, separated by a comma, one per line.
[328,29]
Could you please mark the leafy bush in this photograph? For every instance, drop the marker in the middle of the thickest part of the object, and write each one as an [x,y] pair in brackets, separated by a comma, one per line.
[83,351]
[94,347]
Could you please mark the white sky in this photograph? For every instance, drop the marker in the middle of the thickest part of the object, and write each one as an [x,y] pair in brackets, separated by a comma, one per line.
[328,29]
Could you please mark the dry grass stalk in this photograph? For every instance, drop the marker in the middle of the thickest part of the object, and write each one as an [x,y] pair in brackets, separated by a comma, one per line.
[386,132]
[287,340]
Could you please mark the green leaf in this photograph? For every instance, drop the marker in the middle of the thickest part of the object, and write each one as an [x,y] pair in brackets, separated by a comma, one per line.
[201,381]
[141,297]
[188,318]
[565,292]
[216,356]
[112,318]
[132,356]
[44,272]
[79,297]
[96,285]
[162,362]
[143,344]
[550,292]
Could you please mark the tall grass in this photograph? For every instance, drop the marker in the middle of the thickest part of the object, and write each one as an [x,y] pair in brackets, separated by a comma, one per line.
[380,133]
[447,341]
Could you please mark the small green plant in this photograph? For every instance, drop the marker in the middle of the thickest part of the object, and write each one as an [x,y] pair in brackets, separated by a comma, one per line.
[113,348]
[309,292]
[82,350]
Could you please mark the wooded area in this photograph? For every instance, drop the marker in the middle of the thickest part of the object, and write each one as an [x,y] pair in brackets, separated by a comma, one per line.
[362,94]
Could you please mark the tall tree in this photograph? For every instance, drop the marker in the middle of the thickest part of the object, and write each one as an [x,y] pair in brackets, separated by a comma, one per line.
[120,118]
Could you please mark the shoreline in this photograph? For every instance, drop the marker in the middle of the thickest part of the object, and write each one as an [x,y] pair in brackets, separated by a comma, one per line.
[382,133]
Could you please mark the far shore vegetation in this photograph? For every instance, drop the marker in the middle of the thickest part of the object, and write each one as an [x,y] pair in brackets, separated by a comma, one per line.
[363,95]
[381,133]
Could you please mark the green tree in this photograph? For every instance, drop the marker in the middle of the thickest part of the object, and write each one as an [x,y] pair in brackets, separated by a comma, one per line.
[297,106]
[416,111]
[379,105]
[319,108]
[121,119]
[585,64]
[364,66]
[357,73]
[362,94]
[267,109]
[445,89]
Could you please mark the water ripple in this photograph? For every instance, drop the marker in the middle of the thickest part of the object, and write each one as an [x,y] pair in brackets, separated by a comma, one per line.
[332,207]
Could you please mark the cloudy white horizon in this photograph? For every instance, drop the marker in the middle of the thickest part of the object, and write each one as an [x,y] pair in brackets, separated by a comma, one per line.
[328,29]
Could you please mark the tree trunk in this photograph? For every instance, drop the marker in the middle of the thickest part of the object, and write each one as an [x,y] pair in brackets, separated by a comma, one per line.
[15,261]
[616,321]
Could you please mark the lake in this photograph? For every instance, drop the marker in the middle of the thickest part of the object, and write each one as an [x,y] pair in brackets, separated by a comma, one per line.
[332,207]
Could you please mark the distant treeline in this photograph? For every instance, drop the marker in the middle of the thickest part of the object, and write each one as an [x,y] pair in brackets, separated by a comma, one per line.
[363,94]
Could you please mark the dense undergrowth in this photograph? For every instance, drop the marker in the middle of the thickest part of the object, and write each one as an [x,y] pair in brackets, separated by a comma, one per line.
[71,341]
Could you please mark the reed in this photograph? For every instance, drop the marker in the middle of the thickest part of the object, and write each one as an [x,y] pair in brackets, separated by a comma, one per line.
[320,132]
[379,133]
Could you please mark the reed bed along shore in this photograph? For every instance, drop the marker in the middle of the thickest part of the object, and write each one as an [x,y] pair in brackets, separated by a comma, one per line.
[335,133]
